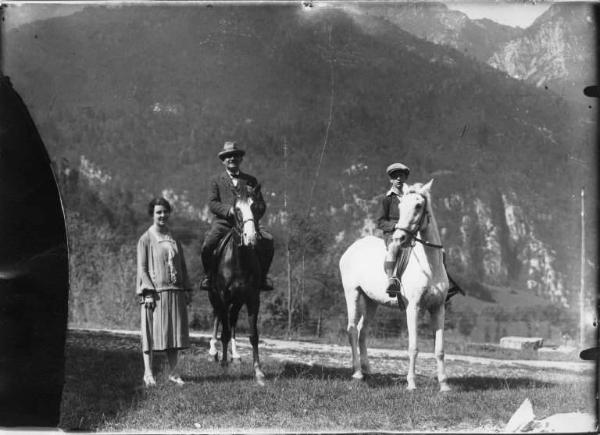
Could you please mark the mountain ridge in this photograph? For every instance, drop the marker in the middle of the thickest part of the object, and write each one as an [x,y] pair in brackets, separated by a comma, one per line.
[119,87]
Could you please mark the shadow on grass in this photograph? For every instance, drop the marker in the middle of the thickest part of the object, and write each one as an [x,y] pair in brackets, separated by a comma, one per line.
[223,377]
[103,377]
[386,380]
[484,383]
[320,372]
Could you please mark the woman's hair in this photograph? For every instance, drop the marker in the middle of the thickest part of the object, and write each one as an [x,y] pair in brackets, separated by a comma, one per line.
[158,201]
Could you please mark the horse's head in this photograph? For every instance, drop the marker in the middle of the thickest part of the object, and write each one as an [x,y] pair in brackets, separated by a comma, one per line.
[414,212]
[245,216]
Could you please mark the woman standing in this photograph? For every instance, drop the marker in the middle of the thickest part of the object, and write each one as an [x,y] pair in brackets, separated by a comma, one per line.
[165,290]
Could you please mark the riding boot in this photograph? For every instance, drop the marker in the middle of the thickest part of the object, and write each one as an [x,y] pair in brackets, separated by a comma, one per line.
[206,283]
[393,288]
[454,288]
[265,254]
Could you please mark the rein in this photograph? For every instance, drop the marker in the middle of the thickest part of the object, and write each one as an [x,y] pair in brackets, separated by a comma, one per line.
[413,234]
[426,243]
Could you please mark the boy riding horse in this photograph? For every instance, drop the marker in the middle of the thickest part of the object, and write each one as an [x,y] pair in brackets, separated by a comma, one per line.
[387,220]
[224,189]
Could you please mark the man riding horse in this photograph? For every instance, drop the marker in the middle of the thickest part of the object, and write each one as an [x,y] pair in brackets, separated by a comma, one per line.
[387,220]
[224,189]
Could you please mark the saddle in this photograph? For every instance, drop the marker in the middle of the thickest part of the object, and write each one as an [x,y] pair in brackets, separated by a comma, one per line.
[402,262]
[218,252]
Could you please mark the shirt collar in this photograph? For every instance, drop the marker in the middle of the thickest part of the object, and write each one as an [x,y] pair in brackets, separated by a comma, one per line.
[393,191]
[233,174]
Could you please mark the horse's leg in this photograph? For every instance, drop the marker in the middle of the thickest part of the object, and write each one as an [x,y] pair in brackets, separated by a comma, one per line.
[411,325]
[253,307]
[212,351]
[437,322]
[225,333]
[353,304]
[233,318]
[363,329]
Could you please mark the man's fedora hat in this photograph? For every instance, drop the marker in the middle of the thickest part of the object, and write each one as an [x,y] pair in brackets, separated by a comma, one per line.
[397,167]
[230,149]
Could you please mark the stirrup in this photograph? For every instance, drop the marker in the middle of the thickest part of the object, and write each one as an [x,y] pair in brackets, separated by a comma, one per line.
[393,288]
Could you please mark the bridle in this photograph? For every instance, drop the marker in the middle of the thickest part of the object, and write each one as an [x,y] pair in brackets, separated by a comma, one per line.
[419,227]
[240,223]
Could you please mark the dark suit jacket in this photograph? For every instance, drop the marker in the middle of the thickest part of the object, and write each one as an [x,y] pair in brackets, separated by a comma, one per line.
[388,214]
[222,195]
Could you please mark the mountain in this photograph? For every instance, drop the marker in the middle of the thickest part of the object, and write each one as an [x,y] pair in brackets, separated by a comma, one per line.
[557,51]
[141,98]
[436,23]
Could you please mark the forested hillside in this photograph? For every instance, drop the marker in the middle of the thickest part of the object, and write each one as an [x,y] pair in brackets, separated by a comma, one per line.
[137,101]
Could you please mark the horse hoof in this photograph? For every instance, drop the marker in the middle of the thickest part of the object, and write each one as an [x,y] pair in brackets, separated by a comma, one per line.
[411,387]
[358,376]
[259,376]
[444,388]
[213,357]
[236,359]
[224,364]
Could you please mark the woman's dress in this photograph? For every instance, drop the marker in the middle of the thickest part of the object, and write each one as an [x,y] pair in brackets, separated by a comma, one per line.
[161,269]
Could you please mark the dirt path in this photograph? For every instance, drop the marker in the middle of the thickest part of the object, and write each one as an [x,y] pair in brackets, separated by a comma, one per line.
[396,361]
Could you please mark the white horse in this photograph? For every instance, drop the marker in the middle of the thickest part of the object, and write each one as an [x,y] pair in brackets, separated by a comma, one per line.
[424,282]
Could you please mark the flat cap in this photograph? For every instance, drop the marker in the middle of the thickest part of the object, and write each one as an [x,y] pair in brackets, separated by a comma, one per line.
[397,167]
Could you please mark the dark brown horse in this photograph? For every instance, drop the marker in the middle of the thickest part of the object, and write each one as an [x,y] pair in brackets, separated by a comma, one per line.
[237,278]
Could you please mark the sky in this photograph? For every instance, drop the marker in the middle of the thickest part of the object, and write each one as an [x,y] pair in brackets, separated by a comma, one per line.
[16,15]
[510,14]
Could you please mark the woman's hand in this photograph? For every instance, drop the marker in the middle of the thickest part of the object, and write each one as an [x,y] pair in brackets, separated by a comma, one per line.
[149,301]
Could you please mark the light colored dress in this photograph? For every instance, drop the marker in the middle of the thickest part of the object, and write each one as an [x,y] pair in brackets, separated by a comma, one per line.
[161,268]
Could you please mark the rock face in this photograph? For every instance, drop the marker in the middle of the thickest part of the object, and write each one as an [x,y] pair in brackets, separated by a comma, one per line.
[499,243]
[554,51]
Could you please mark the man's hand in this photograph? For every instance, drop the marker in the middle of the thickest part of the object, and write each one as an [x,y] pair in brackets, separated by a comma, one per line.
[396,235]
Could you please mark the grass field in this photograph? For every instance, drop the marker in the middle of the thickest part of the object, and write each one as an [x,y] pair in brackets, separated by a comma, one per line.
[104,392]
